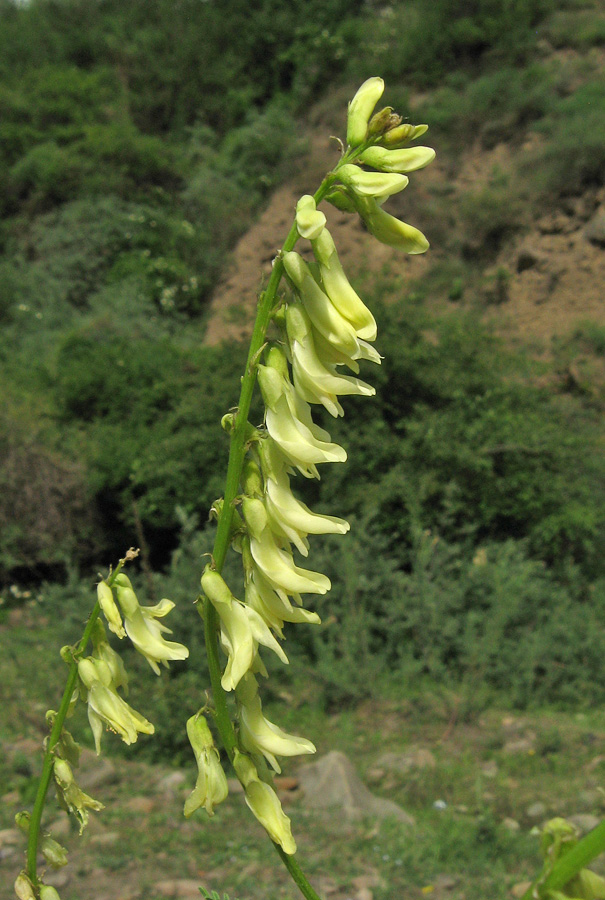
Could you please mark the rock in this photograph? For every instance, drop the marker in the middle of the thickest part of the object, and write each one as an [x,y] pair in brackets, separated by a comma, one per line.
[511,824]
[7,852]
[332,782]
[12,798]
[591,799]
[170,783]
[555,223]
[414,758]
[520,745]
[143,805]
[28,747]
[445,882]
[105,839]
[489,768]
[234,786]
[364,894]
[536,810]
[95,772]
[519,889]
[528,258]
[595,229]
[9,837]
[286,783]
[182,888]
[60,827]
[584,822]
[56,879]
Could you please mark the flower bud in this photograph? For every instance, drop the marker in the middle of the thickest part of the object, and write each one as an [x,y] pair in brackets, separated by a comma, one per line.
[22,820]
[54,854]
[24,889]
[361,108]
[408,160]
[47,892]
[389,230]
[382,121]
[109,608]
[252,479]
[341,201]
[372,184]
[126,595]
[398,137]
[309,220]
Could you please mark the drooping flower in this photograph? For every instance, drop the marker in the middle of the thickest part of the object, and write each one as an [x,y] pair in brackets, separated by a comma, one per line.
[315,381]
[264,803]
[144,630]
[274,608]
[211,785]
[106,707]
[258,735]
[379,185]
[275,563]
[289,422]
[71,797]
[110,610]
[389,230]
[326,318]
[242,630]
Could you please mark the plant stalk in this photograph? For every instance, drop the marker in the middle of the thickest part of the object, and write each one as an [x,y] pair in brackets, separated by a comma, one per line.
[54,738]
[570,865]
[237,452]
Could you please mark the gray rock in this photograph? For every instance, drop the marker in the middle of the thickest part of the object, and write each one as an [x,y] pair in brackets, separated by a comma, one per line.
[511,824]
[183,888]
[528,258]
[9,837]
[595,230]
[170,783]
[94,772]
[521,745]
[332,782]
[584,822]
[536,810]
[414,758]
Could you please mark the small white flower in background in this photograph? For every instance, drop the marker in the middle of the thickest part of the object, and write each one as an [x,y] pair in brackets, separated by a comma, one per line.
[211,785]
[144,630]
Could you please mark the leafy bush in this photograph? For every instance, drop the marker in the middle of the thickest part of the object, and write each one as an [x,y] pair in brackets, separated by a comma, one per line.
[573,156]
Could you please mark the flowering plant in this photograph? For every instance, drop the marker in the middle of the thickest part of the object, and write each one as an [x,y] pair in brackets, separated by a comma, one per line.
[320,329]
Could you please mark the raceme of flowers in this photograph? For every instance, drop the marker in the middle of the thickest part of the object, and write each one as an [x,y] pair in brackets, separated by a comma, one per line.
[325,328]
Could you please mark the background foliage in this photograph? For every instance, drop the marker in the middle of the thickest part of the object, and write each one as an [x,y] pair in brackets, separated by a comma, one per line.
[137,141]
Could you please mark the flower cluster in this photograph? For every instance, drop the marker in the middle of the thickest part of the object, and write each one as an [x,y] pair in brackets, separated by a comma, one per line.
[102,674]
[323,326]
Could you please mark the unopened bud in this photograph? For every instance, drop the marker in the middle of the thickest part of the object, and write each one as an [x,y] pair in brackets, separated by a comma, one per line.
[252,480]
[48,892]
[22,820]
[54,854]
[361,108]
[24,889]
[383,121]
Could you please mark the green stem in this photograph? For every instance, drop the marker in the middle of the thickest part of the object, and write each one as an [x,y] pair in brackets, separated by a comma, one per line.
[570,865]
[53,740]
[237,452]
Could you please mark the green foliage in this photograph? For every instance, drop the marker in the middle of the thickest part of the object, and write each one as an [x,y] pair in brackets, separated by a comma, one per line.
[427,39]
[573,157]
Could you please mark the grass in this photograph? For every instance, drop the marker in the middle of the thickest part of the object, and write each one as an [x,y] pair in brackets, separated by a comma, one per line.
[486,766]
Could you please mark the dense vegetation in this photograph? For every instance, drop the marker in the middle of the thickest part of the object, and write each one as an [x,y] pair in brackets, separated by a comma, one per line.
[137,141]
